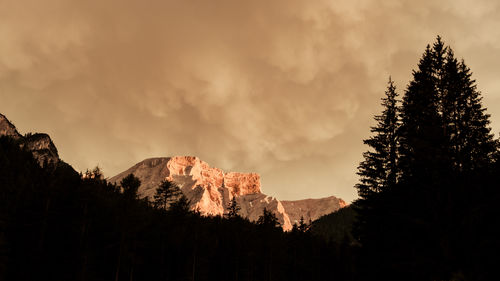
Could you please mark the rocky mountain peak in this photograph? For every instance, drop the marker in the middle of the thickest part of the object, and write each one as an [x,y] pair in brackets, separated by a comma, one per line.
[39,144]
[209,189]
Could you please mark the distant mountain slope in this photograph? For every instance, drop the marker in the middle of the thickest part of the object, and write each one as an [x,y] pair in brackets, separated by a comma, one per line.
[312,209]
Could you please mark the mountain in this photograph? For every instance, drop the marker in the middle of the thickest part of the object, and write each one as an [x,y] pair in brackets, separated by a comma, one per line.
[39,144]
[210,190]
[312,209]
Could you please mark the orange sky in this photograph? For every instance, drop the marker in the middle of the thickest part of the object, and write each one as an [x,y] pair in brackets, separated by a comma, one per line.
[285,88]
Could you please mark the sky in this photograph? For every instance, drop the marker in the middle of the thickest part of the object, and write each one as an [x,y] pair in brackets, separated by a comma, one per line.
[284,88]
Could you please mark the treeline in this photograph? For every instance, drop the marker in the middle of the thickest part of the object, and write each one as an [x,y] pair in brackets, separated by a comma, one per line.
[56,224]
[429,185]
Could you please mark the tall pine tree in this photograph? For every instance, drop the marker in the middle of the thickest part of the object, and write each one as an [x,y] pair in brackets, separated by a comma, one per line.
[379,170]
[422,139]
[472,145]
[166,194]
[379,173]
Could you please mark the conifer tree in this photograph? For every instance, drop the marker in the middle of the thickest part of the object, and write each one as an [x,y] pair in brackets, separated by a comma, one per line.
[130,185]
[303,226]
[422,139]
[445,127]
[379,169]
[268,219]
[166,194]
[180,205]
[233,209]
[472,144]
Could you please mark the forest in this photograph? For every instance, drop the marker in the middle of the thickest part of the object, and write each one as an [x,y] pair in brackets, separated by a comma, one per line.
[427,207]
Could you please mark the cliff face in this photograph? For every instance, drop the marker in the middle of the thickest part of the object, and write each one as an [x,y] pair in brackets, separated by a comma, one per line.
[40,145]
[210,190]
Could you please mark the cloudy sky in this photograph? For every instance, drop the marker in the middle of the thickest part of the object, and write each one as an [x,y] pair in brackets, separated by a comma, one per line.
[285,88]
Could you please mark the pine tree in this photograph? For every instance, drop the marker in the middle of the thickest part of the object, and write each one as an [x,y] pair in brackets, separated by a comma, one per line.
[233,209]
[422,139]
[472,144]
[445,126]
[379,169]
[130,185]
[166,194]
[303,226]
[268,219]
[180,205]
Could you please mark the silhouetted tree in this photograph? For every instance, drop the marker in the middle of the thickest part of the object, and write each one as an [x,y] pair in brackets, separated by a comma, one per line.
[166,194]
[268,219]
[180,205]
[303,226]
[423,145]
[233,209]
[130,185]
[472,145]
[379,169]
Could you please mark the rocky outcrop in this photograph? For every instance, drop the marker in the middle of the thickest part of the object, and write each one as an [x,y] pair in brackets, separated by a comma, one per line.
[42,147]
[39,144]
[312,209]
[7,128]
[209,189]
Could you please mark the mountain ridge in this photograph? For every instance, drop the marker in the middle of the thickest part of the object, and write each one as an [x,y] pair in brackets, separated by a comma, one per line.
[210,190]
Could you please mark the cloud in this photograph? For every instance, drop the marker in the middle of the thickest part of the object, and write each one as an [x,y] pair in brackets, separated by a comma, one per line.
[284,88]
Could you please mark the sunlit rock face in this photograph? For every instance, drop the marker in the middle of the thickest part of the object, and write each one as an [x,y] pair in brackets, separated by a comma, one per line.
[312,209]
[209,189]
[39,144]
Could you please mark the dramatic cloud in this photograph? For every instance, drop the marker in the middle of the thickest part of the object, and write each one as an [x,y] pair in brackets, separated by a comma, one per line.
[285,88]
